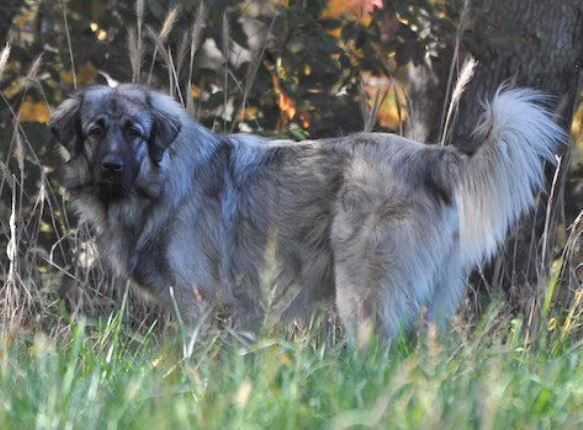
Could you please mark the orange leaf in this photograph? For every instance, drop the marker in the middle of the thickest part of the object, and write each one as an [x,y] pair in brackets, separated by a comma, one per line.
[392,111]
[196,92]
[31,111]
[248,114]
[393,108]
[286,104]
[305,119]
[85,75]
[359,10]
[577,126]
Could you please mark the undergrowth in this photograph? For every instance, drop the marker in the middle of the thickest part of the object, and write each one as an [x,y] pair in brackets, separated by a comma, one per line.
[106,378]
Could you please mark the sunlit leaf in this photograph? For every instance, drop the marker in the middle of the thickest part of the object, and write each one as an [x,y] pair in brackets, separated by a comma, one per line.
[248,114]
[85,75]
[392,111]
[286,104]
[360,10]
[196,92]
[336,32]
[305,119]
[26,19]
[31,111]
[16,86]
[577,126]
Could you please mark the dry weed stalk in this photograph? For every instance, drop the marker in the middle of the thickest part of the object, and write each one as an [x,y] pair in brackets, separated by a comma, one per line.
[4,55]
[464,78]
[69,44]
[463,21]
[195,42]
[161,38]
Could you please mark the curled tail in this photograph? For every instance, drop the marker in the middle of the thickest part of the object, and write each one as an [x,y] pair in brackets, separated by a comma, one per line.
[502,178]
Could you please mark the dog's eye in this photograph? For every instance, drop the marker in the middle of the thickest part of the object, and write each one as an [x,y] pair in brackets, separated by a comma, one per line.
[133,131]
[96,132]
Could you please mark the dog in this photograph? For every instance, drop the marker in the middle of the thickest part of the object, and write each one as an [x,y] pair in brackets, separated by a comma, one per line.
[379,225]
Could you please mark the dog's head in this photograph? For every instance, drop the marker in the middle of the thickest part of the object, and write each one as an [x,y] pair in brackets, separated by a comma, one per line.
[116,138]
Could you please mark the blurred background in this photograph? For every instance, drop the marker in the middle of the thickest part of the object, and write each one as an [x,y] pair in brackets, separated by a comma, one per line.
[283,68]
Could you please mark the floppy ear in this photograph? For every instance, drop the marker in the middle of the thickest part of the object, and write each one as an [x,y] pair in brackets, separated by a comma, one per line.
[165,128]
[65,122]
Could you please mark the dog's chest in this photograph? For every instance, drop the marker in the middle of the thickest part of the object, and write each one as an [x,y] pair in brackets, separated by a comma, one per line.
[113,248]
[150,269]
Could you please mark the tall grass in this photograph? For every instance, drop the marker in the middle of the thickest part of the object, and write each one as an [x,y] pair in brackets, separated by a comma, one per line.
[102,379]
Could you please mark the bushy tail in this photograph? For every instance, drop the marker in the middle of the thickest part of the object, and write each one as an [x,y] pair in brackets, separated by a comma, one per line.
[502,178]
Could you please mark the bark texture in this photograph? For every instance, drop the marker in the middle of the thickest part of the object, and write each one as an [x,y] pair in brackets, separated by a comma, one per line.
[534,43]
[427,93]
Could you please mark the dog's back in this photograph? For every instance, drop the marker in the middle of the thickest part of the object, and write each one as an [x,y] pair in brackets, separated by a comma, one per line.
[383,224]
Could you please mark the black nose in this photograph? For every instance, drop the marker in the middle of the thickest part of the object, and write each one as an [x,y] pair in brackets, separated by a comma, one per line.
[112,164]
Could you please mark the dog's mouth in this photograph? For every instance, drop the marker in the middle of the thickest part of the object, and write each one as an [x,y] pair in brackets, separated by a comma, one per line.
[106,191]
[109,182]
[106,188]
[109,190]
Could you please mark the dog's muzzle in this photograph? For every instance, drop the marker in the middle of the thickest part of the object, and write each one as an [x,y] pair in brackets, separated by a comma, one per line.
[112,165]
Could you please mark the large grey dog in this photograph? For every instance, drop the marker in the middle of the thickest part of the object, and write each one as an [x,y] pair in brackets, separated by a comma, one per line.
[381,225]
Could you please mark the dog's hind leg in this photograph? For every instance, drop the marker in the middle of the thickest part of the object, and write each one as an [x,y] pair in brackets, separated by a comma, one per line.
[383,276]
[388,256]
[450,285]
[355,301]
[379,289]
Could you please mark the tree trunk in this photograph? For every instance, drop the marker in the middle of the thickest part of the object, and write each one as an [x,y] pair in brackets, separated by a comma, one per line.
[533,43]
[427,93]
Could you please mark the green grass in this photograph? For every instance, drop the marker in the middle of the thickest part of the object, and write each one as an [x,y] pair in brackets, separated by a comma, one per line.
[103,378]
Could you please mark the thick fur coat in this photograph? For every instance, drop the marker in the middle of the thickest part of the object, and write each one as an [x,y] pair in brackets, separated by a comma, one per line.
[377,224]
